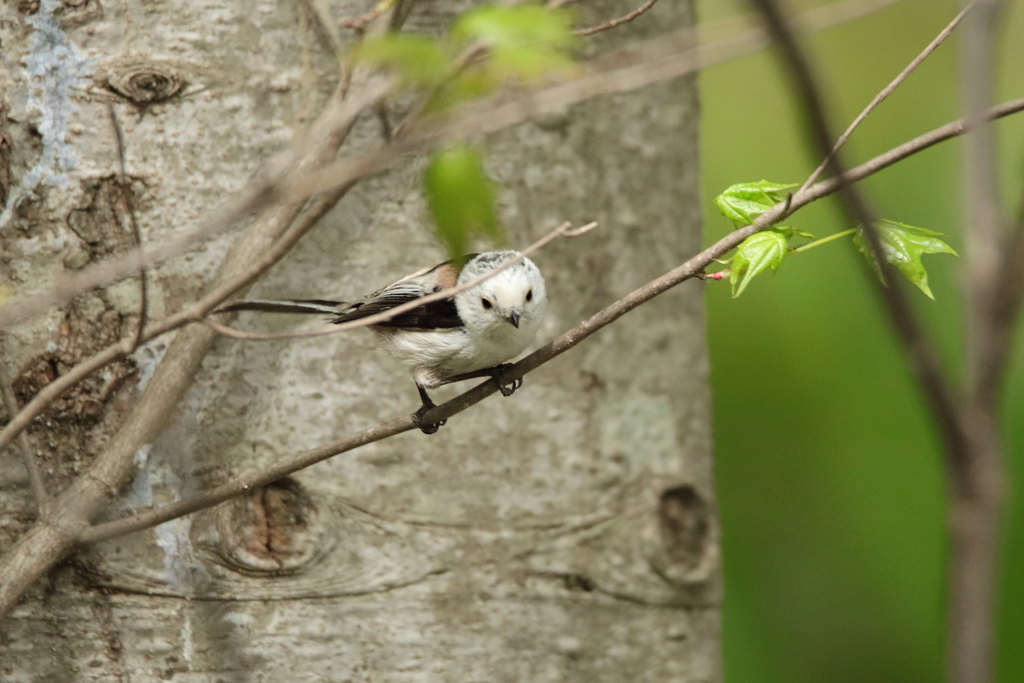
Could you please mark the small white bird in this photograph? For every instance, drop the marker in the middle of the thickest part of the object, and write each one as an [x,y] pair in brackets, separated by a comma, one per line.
[470,334]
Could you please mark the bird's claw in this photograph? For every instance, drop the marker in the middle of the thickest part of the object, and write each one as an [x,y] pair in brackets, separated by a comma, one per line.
[510,388]
[418,419]
[427,406]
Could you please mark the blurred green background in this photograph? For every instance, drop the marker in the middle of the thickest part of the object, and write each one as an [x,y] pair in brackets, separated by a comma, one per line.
[829,478]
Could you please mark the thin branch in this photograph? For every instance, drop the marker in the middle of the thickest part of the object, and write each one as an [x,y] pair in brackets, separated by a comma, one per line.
[399,13]
[985,234]
[617,22]
[322,26]
[885,92]
[198,311]
[561,231]
[362,22]
[1009,296]
[35,476]
[126,196]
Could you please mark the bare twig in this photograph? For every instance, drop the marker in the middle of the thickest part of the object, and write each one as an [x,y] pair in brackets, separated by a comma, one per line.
[471,54]
[35,476]
[399,13]
[129,204]
[561,231]
[885,92]
[322,25]
[617,22]
[362,22]
[1009,295]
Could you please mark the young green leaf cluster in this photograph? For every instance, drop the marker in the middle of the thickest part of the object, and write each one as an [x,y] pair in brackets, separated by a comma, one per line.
[742,204]
[902,245]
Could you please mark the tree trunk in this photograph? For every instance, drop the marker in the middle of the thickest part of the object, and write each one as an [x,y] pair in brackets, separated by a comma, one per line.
[566,533]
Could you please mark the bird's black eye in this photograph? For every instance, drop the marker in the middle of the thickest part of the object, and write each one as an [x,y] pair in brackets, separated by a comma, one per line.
[529,295]
[487,304]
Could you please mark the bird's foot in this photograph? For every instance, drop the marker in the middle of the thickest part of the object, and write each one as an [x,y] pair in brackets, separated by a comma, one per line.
[506,389]
[427,406]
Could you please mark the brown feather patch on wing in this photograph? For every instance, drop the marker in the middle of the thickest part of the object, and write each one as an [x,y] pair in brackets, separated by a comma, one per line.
[446,275]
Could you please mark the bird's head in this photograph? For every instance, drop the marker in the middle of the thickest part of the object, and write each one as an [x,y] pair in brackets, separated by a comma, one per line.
[516,296]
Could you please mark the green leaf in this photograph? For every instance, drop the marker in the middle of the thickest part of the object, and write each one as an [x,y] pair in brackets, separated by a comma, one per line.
[525,41]
[744,202]
[903,245]
[418,60]
[472,83]
[461,198]
[502,26]
[757,253]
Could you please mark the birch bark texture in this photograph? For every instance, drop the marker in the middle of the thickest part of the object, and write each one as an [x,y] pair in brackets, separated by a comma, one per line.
[567,533]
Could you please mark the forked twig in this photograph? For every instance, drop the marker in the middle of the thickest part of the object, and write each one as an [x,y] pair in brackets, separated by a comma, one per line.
[35,475]
[616,22]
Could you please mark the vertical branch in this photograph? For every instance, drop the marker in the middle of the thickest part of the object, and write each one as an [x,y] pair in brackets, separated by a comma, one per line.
[129,203]
[977,492]
[35,476]
[984,234]
[970,432]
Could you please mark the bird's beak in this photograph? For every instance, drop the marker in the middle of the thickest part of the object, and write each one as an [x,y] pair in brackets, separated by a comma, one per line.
[513,317]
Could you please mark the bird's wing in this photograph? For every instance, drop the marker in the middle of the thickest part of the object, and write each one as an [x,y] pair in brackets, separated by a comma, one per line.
[435,315]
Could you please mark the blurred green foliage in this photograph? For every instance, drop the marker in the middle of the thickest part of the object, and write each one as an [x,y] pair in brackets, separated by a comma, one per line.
[518,43]
[461,198]
[829,478]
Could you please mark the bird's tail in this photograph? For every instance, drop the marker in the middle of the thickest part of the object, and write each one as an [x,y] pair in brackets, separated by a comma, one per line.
[294,306]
